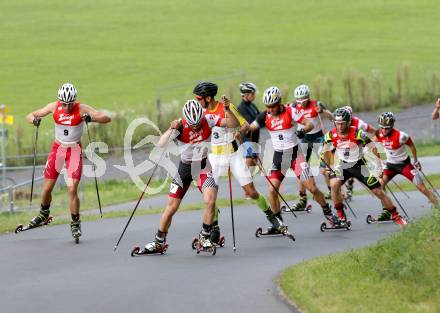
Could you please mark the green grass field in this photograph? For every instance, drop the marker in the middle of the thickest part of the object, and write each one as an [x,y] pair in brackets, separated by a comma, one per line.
[398,274]
[118,52]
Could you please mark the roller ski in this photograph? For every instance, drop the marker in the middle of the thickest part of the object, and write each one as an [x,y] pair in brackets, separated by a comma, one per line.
[334,222]
[276,230]
[307,209]
[42,219]
[386,217]
[204,244]
[150,249]
[301,206]
[75,228]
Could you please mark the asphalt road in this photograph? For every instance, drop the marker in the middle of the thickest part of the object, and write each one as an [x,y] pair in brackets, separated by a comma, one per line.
[42,270]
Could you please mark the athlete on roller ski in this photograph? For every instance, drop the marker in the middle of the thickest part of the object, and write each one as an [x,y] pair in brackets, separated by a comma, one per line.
[281,122]
[346,143]
[395,141]
[69,116]
[314,111]
[226,154]
[191,134]
[369,129]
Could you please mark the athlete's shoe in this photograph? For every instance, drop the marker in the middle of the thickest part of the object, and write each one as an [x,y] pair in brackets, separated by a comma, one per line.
[75,227]
[341,216]
[40,219]
[399,220]
[205,240]
[215,234]
[332,219]
[154,247]
[301,205]
[384,216]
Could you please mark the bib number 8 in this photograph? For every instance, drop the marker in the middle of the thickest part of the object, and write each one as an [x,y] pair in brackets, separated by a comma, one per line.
[280,137]
[66,132]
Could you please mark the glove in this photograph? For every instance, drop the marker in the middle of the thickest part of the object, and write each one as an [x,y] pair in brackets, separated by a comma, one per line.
[86,117]
[300,133]
[175,124]
[417,165]
[36,121]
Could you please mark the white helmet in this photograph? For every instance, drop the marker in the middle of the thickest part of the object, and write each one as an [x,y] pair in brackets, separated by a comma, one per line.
[272,95]
[193,112]
[348,108]
[247,87]
[302,91]
[67,93]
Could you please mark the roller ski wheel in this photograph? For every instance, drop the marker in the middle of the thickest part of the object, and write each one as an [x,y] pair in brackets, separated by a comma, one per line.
[342,225]
[259,233]
[138,251]
[194,243]
[200,248]
[21,228]
[308,209]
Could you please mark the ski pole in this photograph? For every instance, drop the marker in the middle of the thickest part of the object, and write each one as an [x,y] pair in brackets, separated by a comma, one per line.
[224,99]
[142,194]
[260,166]
[429,182]
[33,164]
[395,198]
[94,172]
[334,173]
[400,188]
[232,208]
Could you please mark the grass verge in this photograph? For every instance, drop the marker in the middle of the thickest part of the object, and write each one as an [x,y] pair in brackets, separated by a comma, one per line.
[398,274]
[428,149]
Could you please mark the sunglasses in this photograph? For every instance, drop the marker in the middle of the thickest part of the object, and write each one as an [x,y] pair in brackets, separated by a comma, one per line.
[65,104]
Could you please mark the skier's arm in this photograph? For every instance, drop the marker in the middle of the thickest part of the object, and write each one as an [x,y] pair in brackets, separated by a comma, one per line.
[413,149]
[41,112]
[327,151]
[170,134]
[96,116]
[324,112]
[328,115]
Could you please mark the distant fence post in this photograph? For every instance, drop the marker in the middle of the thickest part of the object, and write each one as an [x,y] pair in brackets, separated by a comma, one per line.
[11,199]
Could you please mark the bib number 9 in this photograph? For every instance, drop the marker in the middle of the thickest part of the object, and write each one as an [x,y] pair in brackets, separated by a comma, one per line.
[66,132]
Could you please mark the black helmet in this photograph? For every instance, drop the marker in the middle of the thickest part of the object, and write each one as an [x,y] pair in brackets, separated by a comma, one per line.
[342,115]
[247,87]
[386,120]
[205,89]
